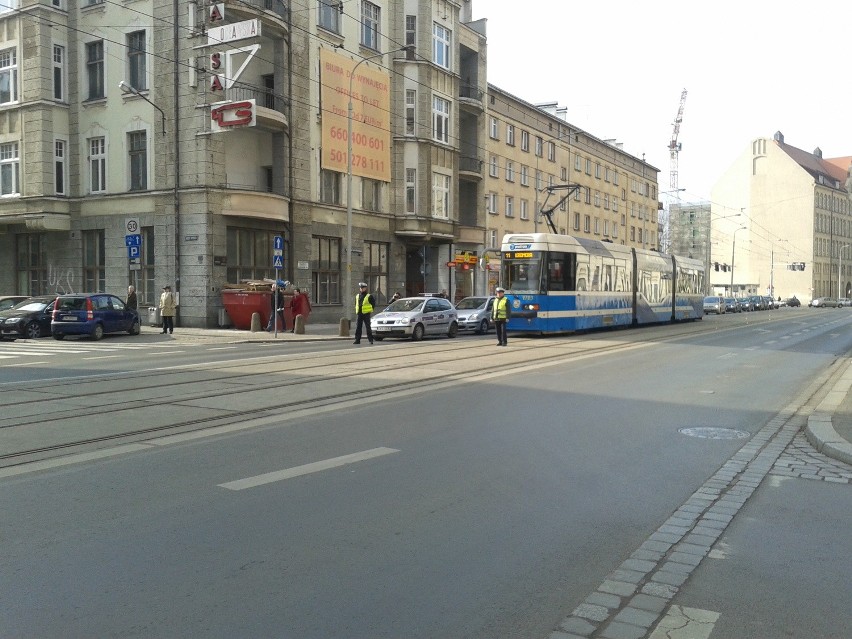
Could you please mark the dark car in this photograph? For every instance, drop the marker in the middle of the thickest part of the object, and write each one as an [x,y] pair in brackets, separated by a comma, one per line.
[29,319]
[92,314]
[793,301]
[8,301]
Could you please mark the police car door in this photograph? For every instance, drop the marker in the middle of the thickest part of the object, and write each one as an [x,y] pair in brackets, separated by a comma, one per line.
[432,316]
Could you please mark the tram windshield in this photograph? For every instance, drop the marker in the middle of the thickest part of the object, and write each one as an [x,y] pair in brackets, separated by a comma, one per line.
[522,271]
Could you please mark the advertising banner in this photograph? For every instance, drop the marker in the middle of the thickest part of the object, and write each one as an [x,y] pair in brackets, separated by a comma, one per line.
[370,117]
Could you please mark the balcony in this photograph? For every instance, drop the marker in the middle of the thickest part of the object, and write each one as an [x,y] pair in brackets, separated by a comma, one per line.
[470,168]
[426,229]
[271,108]
[246,9]
[472,97]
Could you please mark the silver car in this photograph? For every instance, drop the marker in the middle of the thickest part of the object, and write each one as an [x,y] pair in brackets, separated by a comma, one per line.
[416,317]
[475,313]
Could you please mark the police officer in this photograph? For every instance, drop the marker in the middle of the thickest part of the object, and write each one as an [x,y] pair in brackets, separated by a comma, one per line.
[364,303]
[500,313]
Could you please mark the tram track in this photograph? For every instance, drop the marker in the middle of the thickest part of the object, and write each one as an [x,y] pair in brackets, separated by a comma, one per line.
[265,375]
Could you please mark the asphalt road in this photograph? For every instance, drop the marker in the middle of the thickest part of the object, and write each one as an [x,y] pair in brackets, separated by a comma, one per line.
[441,489]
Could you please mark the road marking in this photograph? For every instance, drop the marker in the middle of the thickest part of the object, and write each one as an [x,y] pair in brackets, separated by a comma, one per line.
[102,357]
[222,348]
[681,621]
[29,363]
[297,471]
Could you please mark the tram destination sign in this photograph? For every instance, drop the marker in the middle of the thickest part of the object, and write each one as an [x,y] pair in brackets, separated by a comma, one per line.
[517,255]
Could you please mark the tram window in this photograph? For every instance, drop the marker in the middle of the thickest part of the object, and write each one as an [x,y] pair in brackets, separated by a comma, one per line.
[561,271]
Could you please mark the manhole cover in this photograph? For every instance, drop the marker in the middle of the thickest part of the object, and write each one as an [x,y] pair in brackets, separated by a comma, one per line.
[709,432]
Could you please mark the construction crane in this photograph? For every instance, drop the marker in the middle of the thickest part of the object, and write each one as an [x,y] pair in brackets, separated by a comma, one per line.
[674,145]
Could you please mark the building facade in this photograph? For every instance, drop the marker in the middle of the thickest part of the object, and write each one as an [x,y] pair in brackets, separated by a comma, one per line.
[792,234]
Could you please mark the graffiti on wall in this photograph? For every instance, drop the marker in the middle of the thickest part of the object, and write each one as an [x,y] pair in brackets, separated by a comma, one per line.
[61,283]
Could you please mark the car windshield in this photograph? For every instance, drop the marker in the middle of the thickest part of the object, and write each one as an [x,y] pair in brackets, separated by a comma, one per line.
[31,306]
[404,306]
[470,303]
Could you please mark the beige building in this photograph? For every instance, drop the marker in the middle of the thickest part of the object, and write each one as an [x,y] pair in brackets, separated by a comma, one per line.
[612,195]
[789,220]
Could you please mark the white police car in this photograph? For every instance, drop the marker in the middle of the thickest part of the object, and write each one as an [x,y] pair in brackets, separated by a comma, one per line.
[416,317]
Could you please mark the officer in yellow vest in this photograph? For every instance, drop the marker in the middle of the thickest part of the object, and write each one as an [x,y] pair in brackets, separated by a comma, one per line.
[500,312]
[364,303]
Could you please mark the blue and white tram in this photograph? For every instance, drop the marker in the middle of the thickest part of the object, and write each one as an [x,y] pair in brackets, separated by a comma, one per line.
[560,283]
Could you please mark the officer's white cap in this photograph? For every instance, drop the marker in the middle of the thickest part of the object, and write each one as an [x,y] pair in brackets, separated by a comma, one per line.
[362,284]
[500,290]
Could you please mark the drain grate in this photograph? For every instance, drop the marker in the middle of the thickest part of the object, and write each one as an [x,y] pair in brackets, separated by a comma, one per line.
[710,432]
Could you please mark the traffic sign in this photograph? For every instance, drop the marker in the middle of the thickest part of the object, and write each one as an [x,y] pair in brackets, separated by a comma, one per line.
[131,225]
[133,240]
[133,252]
[278,243]
[278,262]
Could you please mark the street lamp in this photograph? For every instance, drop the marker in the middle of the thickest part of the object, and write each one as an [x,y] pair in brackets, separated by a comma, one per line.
[126,88]
[839,263]
[733,250]
[349,114]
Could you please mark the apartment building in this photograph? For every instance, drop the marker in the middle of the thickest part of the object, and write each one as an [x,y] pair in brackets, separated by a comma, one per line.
[793,222]
[535,158]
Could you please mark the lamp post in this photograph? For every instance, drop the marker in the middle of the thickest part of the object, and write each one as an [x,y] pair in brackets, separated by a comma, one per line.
[349,113]
[733,251]
[839,263]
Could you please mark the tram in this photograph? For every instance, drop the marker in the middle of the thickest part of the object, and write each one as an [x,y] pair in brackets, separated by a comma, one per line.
[562,284]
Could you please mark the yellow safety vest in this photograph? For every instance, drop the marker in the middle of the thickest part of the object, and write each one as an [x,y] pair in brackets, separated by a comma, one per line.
[364,306]
[500,310]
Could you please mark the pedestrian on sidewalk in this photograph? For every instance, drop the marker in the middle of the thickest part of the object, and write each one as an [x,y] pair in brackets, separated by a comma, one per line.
[277,308]
[500,313]
[299,305]
[131,298]
[364,303]
[168,307]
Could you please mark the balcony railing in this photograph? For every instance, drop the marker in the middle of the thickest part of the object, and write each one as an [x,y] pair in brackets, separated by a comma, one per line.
[265,97]
[279,7]
[470,164]
[470,91]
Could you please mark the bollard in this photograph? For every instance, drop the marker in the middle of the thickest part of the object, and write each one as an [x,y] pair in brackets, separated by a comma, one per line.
[344,327]
[255,323]
[299,325]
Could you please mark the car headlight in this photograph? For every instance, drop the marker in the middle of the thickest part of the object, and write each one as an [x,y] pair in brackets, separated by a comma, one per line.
[474,316]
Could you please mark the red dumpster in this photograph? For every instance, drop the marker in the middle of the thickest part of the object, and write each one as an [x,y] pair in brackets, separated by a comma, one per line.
[241,304]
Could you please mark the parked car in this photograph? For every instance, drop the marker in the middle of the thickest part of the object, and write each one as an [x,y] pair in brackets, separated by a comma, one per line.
[732,305]
[823,302]
[8,301]
[758,302]
[416,317]
[29,319]
[843,302]
[793,302]
[474,313]
[92,314]
[746,304]
[770,302]
[714,304]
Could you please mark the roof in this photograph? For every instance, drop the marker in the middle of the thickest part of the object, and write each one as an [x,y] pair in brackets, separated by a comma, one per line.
[831,171]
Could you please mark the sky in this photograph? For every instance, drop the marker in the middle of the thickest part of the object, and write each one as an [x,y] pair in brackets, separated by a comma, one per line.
[750,68]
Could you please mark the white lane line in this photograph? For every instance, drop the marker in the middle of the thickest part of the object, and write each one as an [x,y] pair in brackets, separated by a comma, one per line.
[681,621]
[222,348]
[102,357]
[297,471]
[30,363]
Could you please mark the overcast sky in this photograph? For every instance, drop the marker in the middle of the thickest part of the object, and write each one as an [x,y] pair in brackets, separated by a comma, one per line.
[751,68]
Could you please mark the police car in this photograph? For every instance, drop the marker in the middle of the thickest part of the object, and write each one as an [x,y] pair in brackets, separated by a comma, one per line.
[416,317]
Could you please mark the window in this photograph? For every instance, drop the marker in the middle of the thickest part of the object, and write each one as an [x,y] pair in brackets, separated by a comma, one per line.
[136,60]
[329,187]
[493,129]
[440,196]
[58,72]
[525,215]
[588,166]
[410,36]
[491,203]
[598,170]
[328,16]
[31,266]
[493,169]
[510,171]
[578,162]
[410,106]
[525,175]
[564,174]
[597,226]
[441,38]
[249,254]
[411,190]
[9,169]
[606,201]
[137,148]
[510,206]
[95,69]
[576,221]
[510,134]
[8,5]
[8,76]
[376,267]
[607,174]
[370,194]
[370,25]
[587,223]
[525,141]
[325,264]
[551,151]
[59,166]
[440,119]
[597,199]
[94,268]
[539,146]
[97,165]
[492,238]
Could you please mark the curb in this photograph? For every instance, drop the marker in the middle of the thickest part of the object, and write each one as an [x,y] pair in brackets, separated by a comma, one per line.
[820,429]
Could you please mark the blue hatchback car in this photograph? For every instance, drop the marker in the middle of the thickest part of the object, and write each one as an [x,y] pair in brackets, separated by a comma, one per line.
[92,314]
